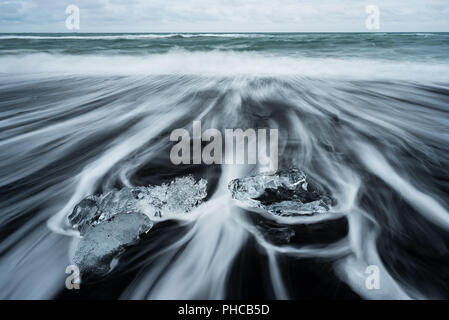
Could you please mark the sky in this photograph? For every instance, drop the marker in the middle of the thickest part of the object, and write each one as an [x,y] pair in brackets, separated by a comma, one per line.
[224,15]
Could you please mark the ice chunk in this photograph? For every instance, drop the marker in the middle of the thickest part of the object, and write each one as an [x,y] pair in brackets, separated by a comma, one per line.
[285,193]
[102,242]
[108,223]
[276,234]
[180,196]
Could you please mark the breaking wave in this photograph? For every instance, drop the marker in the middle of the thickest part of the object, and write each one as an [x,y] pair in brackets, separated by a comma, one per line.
[219,63]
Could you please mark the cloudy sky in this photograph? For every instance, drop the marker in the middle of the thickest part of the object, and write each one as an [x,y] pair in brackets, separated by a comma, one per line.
[223,15]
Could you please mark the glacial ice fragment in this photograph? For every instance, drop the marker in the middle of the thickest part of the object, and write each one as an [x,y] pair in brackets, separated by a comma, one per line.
[285,193]
[102,242]
[110,222]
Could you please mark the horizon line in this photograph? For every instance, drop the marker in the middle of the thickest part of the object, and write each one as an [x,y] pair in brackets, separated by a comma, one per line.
[218,32]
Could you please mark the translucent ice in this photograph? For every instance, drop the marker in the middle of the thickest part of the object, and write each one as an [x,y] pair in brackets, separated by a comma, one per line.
[102,242]
[109,222]
[285,193]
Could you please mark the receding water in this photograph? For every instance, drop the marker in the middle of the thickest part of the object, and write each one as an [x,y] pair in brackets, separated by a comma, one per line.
[366,116]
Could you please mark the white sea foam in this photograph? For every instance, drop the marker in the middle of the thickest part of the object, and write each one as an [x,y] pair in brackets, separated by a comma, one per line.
[219,63]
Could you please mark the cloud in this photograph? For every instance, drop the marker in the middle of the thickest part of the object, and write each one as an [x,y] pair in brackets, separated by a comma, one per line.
[11,11]
[223,15]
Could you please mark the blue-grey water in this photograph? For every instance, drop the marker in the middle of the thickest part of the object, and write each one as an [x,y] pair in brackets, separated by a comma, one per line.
[364,114]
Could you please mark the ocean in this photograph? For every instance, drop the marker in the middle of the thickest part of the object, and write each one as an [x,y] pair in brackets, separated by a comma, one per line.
[350,55]
[365,115]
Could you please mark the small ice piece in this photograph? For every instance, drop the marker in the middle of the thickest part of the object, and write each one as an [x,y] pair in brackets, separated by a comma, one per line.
[275,234]
[110,222]
[285,193]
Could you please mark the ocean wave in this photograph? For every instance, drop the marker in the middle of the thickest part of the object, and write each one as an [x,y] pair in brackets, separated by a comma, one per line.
[219,63]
